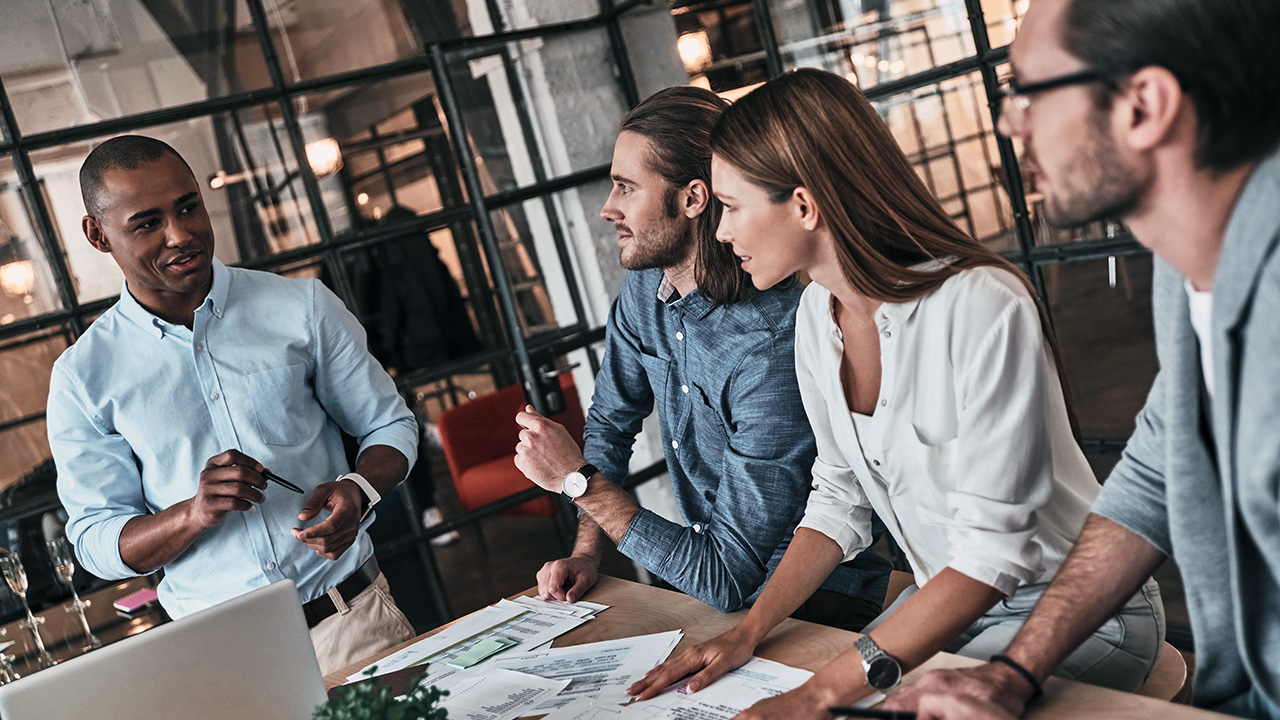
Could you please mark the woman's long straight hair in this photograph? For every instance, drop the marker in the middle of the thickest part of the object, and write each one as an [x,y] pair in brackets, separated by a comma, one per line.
[813,129]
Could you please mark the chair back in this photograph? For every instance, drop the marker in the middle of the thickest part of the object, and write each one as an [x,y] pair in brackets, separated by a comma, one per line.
[484,431]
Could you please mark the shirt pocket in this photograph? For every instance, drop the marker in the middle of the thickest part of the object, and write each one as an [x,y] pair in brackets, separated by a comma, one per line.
[657,369]
[932,476]
[276,392]
[707,423]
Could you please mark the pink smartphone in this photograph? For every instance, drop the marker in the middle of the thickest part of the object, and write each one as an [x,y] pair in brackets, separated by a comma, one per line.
[136,600]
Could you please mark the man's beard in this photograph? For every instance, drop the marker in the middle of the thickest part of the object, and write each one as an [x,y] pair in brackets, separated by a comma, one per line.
[663,246]
[1097,185]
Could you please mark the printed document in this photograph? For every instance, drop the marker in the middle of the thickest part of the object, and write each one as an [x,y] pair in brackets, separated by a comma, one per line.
[721,700]
[495,694]
[602,670]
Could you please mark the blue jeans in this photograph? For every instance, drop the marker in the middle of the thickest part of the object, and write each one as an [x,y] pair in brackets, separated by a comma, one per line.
[1119,655]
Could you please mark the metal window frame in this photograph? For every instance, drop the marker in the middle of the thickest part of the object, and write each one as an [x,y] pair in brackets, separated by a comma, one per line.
[521,351]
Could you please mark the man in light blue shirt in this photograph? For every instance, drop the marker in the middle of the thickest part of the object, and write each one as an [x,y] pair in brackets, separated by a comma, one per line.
[164,417]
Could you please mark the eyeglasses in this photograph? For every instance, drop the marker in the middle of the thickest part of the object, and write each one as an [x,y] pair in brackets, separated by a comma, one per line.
[1015,97]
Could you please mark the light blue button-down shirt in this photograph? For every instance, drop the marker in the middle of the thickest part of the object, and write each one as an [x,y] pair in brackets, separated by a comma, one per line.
[273,367]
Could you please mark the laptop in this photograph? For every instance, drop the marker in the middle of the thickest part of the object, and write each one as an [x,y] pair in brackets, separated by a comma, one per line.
[249,657]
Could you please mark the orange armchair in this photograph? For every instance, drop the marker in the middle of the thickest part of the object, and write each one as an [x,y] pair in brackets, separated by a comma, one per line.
[479,439]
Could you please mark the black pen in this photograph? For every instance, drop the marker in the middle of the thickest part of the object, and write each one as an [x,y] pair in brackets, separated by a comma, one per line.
[857,712]
[281,481]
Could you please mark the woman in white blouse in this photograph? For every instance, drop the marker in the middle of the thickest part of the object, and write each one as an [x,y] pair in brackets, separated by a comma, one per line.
[931,380]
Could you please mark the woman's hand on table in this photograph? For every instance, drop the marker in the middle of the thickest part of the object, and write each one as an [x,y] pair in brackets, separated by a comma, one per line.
[710,660]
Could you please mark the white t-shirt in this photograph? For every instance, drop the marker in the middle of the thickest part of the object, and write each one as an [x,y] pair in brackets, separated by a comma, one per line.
[1201,304]
[969,457]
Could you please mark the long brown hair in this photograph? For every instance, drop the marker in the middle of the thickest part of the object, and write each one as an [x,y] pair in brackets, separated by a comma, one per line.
[677,121]
[814,129]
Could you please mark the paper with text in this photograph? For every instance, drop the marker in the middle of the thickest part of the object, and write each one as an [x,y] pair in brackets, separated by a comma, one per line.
[601,670]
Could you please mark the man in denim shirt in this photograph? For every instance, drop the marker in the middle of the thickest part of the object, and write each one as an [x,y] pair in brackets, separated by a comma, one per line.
[166,413]
[688,332]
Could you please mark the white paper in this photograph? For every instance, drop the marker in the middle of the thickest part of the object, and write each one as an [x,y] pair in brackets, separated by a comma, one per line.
[721,700]
[495,694]
[602,670]
[580,608]
[528,627]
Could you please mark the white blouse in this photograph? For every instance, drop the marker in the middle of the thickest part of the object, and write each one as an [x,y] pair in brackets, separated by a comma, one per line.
[968,458]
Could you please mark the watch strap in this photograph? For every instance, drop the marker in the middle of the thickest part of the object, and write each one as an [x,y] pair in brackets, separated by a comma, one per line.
[365,487]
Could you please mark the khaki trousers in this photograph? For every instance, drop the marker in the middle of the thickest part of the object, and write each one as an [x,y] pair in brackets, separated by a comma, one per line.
[371,624]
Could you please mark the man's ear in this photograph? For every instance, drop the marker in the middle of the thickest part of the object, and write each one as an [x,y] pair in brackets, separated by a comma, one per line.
[94,233]
[696,198]
[1150,108]
[806,209]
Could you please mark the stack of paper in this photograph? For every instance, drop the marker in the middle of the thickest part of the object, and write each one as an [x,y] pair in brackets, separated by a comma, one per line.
[529,623]
[601,671]
[736,691]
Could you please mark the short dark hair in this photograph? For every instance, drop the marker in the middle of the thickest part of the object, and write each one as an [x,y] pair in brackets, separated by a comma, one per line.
[1224,53]
[678,121]
[126,152]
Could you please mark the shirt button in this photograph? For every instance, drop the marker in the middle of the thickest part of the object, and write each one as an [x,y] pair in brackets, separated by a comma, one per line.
[199,347]
[674,444]
[679,336]
[213,396]
[684,388]
[876,463]
[886,333]
[697,528]
[271,566]
[884,401]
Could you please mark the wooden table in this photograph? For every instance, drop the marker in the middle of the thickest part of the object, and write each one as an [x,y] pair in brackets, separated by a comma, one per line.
[637,609]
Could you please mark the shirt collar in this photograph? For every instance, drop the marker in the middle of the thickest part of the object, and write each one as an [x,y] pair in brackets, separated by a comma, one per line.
[217,298]
[695,303]
[221,288]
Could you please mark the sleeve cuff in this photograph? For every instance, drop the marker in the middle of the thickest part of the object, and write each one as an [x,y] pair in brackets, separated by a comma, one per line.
[1006,581]
[401,435]
[650,540]
[1117,505]
[98,549]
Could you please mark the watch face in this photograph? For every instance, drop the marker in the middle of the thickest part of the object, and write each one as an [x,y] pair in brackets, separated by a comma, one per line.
[575,485]
[883,673]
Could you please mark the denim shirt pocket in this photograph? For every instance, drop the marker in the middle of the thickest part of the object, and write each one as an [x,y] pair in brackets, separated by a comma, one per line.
[275,392]
[657,369]
[707,423]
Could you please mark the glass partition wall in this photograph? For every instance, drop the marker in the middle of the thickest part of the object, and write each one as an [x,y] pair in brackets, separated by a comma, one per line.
[356,140]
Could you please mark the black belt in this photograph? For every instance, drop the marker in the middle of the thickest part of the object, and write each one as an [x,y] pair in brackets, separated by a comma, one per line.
[322,607]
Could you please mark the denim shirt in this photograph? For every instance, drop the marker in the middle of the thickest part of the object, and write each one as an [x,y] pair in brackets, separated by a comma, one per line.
[737,443]
[271,366]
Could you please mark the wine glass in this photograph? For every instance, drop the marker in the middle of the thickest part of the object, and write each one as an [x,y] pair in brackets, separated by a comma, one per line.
[64,565]
[16,577]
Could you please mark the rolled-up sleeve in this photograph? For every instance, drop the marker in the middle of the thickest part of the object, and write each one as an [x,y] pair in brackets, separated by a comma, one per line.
[352,386]
[1004,470]
[98,479]
[763,482]
[1135,494]
[837,507]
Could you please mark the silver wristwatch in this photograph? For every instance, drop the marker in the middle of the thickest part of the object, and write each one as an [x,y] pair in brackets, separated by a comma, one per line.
[575,483]
[883,671]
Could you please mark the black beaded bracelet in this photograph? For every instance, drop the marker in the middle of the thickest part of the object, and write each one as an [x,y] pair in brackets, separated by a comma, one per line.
[1036,690]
